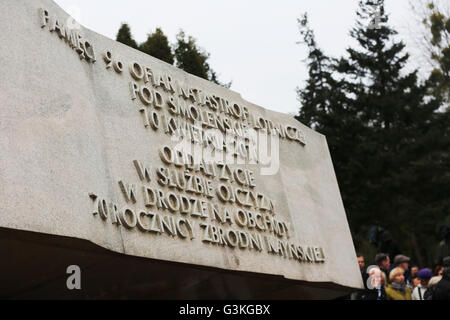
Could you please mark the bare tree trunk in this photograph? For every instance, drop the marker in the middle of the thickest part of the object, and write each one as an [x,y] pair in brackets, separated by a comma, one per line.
[416,250]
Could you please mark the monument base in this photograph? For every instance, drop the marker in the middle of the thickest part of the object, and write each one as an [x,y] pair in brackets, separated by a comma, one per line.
[34,267]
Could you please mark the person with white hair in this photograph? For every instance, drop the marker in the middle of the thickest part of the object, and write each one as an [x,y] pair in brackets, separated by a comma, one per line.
[397,289]
[431,287]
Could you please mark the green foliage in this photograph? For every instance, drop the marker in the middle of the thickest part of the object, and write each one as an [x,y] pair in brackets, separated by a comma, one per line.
[385,134]
[157,45]
[439,26]
[192,59]
[185,54]
[124,36]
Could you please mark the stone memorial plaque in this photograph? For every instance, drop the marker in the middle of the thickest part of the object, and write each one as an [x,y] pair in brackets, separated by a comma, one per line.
[103,143]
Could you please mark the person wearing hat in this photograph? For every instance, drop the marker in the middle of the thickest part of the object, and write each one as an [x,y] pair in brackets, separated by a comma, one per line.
[419,292]
[442,291]
[397,289]
[383,262]
[402,261]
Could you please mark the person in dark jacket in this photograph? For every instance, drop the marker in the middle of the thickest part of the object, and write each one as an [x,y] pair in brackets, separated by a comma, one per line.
[389,245]
[442,291]
[419,292]
[383,262]
[362,267]
[431,287]
[375,289]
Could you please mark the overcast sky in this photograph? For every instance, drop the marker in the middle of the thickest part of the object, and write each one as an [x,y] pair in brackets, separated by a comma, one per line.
[251,42]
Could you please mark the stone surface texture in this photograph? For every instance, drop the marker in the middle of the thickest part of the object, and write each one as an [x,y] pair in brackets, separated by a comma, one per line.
[68,127]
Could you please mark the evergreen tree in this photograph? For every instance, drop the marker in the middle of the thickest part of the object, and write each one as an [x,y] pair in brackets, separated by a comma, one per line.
[379,123]
[314,97]
[188,55]
[324,104]
[439,26]
[193,59]
[124,36]
[157,45]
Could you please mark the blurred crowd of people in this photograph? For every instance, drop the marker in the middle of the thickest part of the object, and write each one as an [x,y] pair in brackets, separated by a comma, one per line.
[398,280]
